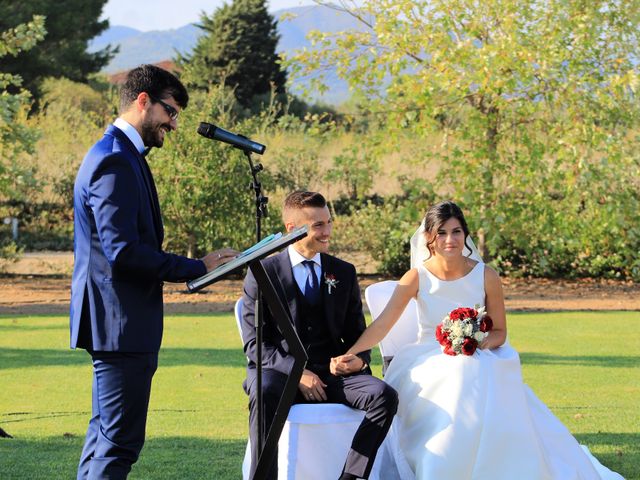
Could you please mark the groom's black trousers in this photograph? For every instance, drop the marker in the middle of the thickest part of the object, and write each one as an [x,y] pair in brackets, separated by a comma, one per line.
[360,390]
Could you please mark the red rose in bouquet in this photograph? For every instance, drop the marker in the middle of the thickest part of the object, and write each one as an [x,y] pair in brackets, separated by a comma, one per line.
[462,313]
[470,312]
[443,339]
[448,349]
[486,324]
[440,335]
[469,346]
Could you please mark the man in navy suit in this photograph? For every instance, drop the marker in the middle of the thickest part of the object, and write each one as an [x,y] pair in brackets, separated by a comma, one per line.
[323,297]
[120,267]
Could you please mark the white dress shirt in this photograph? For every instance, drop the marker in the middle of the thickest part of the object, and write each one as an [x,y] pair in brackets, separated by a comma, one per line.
[131,133]
[300,272]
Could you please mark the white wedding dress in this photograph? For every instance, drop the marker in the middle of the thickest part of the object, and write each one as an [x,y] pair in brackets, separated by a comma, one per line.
[471,417]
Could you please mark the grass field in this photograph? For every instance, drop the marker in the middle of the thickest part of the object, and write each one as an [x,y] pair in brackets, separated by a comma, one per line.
[575,362]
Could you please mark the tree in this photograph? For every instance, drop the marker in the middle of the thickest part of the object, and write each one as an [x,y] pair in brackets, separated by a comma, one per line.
[536,104]
[70,118]
[355,167]
[239,50]
[16,138]
[203,185]
[70,25]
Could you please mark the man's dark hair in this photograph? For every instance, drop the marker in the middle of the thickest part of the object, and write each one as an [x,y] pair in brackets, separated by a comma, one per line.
[437,215]
[156,81]
[302,199]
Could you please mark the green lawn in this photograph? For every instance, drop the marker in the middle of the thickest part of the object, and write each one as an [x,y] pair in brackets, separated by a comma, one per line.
[197,424]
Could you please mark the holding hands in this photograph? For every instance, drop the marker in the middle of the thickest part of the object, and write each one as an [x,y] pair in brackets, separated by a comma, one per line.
[346,364]
[312,387]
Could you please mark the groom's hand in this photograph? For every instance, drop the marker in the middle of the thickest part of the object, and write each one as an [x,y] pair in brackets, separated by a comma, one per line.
[346,364]
[311,387]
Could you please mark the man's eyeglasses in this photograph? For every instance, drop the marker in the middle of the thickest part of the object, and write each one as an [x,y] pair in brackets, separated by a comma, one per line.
[172,112]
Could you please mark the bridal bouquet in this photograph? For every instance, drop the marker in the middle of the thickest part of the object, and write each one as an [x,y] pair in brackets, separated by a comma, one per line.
[463,329]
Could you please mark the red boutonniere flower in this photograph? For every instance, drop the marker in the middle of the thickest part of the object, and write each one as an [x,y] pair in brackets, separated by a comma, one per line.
[330,281]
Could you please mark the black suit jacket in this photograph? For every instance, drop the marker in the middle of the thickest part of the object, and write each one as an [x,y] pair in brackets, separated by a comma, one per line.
[343,311]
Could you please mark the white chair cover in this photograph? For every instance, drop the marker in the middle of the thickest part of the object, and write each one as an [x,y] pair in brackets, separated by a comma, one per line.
[405,330]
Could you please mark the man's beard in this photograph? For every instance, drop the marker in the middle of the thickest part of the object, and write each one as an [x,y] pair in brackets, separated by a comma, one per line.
[152,135]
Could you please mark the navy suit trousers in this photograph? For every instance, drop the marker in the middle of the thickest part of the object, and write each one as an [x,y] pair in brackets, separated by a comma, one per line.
[361,391]
[121,391]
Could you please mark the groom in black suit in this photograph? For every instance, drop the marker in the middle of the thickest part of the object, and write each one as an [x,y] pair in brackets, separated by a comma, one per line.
[323,297]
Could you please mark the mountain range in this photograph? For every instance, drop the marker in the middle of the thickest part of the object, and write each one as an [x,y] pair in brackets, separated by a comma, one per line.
[294,24]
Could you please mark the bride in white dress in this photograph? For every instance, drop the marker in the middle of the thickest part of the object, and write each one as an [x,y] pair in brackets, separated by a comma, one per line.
[465,417]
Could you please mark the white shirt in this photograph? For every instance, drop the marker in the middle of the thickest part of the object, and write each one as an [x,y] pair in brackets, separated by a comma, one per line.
[131,133]
[300,272]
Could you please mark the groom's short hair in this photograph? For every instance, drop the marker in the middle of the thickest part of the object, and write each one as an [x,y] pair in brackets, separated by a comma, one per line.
[301,199]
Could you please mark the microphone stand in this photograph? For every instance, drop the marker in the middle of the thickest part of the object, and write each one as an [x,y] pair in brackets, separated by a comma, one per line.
[261,200]
[265,290]
[261,212]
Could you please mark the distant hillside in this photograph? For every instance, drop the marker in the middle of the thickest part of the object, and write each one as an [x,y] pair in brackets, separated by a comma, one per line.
[119,77]
[114,34]
[293,31]
[138,47]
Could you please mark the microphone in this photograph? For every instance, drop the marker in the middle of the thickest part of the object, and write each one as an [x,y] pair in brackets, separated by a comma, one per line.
[209,130]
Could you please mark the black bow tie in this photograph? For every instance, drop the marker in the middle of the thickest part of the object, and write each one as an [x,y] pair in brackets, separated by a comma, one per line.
[146,151]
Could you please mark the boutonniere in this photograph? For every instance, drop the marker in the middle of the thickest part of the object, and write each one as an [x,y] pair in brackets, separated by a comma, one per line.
[330,281]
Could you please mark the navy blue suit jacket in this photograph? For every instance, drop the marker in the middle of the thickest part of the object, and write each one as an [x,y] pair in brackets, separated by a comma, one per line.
[343,311]
[119,267]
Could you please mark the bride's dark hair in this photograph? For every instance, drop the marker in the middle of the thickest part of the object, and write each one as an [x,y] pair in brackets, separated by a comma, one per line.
[437,215]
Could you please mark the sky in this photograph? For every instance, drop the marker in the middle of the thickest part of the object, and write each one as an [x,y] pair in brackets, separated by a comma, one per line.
[146,15]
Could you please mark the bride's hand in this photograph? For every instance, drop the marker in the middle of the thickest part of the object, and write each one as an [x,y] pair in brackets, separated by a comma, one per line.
[346,364]
[495,339]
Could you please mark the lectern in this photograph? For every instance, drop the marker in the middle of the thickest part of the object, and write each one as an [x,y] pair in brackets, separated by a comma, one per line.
[252,257]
